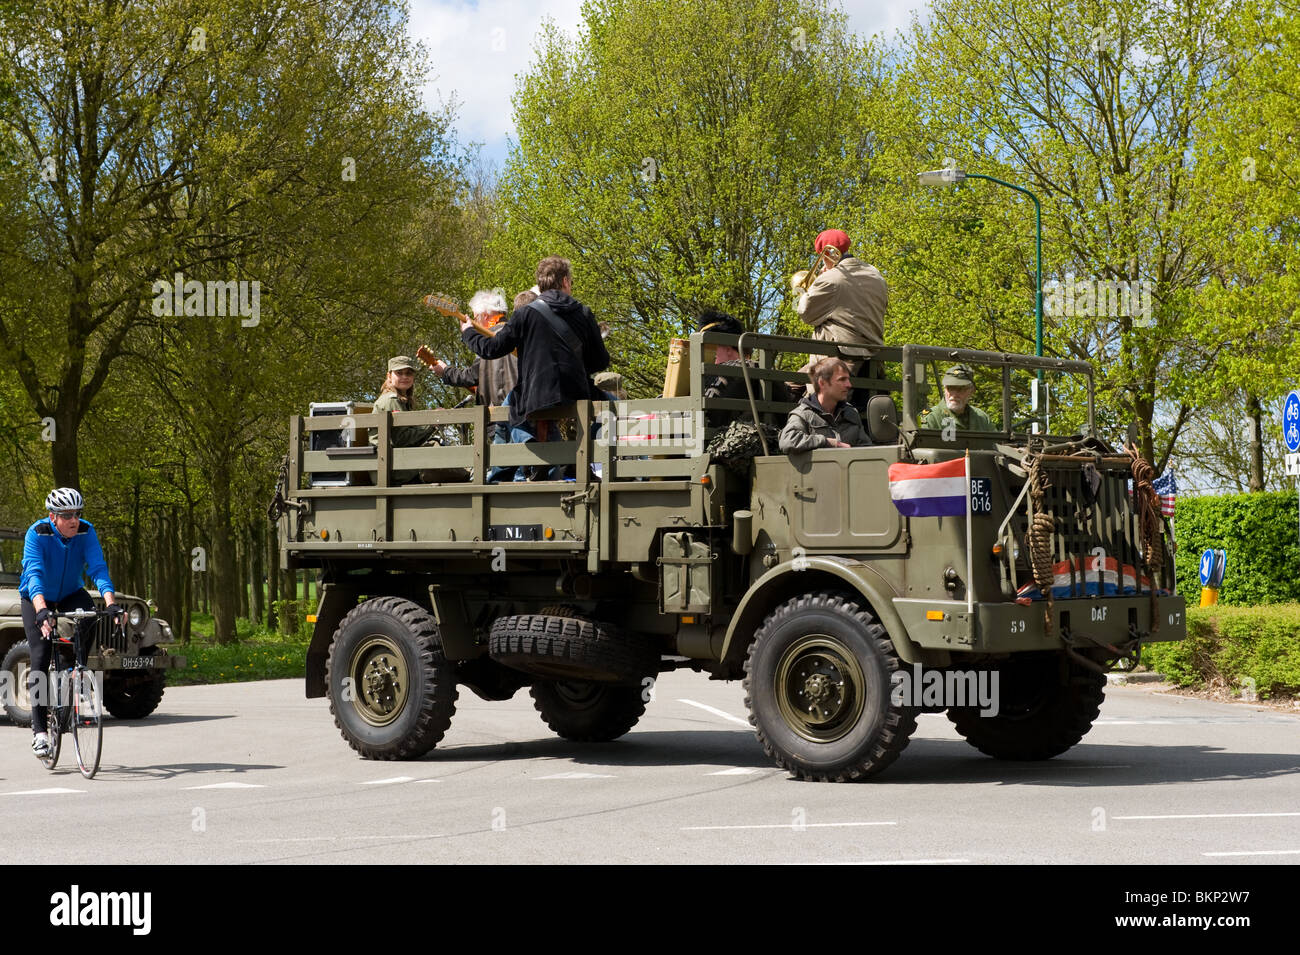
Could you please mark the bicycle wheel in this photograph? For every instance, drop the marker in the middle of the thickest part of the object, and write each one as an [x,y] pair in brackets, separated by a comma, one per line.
[87,721]
[53,720]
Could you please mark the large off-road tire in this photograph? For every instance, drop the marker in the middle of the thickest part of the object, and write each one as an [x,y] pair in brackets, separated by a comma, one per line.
[817,684]
[133,696]
[1045,706]
[391,691]
[18,704]
[589,712]
[572,648]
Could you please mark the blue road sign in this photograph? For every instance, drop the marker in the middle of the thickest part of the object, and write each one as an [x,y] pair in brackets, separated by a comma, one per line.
[1207,567]
[1291,422]
[1220,567]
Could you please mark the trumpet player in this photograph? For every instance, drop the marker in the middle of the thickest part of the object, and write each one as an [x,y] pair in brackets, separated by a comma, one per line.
[842,298]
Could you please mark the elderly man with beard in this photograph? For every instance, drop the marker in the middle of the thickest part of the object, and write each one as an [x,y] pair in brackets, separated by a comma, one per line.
[958,387]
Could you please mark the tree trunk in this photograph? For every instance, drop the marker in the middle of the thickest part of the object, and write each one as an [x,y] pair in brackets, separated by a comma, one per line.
[134,581]
[272,577]
[241,571]
[289,619]
[1255,413]
[223,570]
[256,547]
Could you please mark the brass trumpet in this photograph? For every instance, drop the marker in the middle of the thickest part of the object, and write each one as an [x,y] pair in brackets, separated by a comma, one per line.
[802,280]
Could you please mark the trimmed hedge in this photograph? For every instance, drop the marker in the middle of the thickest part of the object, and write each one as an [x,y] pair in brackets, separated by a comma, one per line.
[1225,645]
[1260,533]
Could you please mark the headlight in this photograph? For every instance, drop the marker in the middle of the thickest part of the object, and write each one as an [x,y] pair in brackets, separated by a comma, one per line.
[135,615]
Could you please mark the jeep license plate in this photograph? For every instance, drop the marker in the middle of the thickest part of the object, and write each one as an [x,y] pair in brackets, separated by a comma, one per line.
[981,495]
[138,663]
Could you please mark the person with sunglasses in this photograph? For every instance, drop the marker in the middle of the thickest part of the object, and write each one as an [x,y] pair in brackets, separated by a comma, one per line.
[57,552]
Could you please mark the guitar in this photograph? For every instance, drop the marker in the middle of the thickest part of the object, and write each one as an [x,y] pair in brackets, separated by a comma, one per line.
[447,306]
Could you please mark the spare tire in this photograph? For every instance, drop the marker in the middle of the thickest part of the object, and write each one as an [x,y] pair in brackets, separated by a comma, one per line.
[572,648]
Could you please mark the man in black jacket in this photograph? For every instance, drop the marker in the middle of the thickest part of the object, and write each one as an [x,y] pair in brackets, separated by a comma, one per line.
[559,347]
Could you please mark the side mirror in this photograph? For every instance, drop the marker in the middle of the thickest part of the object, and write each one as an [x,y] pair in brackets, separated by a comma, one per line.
[882,420]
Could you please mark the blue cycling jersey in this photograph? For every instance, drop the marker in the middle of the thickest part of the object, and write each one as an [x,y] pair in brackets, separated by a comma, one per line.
[54,565]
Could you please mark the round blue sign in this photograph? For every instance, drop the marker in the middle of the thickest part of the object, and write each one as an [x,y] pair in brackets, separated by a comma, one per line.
[1291,422]
[1207,567]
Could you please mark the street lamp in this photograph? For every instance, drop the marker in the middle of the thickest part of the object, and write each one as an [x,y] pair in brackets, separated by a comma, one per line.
[948,177]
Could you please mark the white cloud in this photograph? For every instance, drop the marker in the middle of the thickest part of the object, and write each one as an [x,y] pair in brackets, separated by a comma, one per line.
[476,49]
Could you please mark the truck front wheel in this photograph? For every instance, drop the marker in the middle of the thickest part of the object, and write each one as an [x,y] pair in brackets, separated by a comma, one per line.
[817,684]
[1045,706]
[588,712]
[392,693]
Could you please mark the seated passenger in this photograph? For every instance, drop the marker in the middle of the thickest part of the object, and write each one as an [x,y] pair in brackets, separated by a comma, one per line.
[958,387]
[398,394]
[825,419]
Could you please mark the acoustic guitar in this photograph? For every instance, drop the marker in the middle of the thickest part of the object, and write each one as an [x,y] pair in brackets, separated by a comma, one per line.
[449,307]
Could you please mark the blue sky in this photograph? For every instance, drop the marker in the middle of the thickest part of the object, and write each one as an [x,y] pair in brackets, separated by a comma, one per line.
[477,48]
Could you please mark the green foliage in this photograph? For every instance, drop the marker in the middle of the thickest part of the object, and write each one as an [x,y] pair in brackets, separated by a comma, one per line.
[1229,645]
[1259,533]
[684,156]
[258,654]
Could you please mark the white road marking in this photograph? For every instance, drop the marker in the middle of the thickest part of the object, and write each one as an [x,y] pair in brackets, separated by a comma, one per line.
[428,780]
[787,825]
[43,792]
[1261,852]
[739,771]
[717,712]
[254,842]
[577,776]
[227,786]
[385,782]
[1215,815]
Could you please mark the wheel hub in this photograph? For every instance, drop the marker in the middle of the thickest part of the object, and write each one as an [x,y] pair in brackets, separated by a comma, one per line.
[820,688]
[379,680]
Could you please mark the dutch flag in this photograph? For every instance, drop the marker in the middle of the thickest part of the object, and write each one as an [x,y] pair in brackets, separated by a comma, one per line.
[929,490]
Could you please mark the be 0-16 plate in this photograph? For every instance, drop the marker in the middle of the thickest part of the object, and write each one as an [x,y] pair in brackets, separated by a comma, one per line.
[139,663]
[981,495]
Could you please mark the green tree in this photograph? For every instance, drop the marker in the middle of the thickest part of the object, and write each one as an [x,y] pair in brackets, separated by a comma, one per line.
[1095,107]
[683,156]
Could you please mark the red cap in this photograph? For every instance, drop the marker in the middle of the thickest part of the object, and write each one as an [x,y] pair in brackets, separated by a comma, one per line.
[836,237]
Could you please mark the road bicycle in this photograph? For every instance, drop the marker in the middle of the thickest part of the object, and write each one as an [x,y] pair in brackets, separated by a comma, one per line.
[76,696]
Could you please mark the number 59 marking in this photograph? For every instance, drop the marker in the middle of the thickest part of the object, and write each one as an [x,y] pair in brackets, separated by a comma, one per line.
[1017,626]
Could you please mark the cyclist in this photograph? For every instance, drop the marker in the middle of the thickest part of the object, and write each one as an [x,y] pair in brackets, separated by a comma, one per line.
[56,553]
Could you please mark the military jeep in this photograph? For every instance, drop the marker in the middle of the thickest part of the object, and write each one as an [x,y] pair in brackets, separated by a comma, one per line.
[134,666]
[683,539]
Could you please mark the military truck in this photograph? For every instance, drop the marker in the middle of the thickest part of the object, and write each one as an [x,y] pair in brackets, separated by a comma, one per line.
[134,665]
[684,539]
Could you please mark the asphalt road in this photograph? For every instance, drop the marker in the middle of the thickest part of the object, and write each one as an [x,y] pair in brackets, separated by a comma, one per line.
[255,773]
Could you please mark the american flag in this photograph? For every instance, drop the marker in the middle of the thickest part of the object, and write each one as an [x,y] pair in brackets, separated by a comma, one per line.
[1167,488]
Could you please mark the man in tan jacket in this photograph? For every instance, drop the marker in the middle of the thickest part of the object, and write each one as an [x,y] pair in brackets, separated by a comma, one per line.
[847,302]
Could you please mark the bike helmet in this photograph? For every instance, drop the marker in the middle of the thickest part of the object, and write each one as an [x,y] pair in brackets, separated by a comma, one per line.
[64,499]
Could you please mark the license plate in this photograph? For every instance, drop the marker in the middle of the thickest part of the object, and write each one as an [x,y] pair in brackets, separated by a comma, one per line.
[981,495]
[138,663]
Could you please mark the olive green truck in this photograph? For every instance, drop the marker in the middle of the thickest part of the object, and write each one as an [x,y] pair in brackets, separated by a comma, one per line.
[996,576]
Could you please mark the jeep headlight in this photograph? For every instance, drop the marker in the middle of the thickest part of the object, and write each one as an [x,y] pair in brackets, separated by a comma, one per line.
[135,615]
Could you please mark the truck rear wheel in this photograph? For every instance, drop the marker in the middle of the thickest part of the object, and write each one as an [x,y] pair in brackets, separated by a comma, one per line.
[572,648]
[817,684]
[588,712]
[392,693]
[1042,711]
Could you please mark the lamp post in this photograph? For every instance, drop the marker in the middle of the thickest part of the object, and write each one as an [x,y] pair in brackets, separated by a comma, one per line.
[947,177]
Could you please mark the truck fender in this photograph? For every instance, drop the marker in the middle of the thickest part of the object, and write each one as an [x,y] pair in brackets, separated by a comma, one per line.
[808,574]
[335,602]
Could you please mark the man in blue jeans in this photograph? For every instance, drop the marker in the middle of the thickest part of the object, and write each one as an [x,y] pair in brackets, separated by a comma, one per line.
[56,553]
